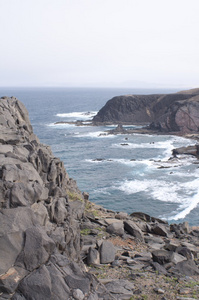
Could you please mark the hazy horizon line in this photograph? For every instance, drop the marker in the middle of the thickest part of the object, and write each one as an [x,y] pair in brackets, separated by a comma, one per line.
[100,87]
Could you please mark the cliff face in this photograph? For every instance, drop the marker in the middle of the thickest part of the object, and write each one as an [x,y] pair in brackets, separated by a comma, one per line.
[167,113]
[39,227]
[129,109]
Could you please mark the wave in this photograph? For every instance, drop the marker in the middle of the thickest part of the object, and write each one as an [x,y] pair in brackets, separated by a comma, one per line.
[96,134]
[158,189]
[161,145]
[189,206]
[184,194]
[61,125]
[124,126]
[190,203]
[78,115]
[123,161]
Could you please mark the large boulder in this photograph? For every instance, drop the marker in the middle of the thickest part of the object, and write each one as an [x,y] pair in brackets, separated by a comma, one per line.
[107,252]
[132,228]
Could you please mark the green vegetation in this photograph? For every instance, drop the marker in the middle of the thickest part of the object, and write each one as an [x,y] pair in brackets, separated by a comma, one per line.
[85,231]
[74,196]
[192,284]
[140,297]
[90,208]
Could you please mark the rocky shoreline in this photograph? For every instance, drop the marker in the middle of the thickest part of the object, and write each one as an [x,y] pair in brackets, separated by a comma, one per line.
[56,244]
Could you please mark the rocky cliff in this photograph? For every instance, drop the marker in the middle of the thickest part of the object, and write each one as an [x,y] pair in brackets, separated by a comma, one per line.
[177,112]
[40,239]
[55,244]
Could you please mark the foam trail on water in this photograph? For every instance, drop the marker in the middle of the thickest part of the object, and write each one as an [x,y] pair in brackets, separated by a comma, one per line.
[78,115]
[190,203]
[158,189]
[96,134]
[61,125]
[190,206]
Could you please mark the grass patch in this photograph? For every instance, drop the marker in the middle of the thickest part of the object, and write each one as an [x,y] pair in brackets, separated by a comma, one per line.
[74,196]
[85,231]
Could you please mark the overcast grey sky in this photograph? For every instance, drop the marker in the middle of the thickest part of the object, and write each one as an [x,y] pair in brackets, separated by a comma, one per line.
[99,43]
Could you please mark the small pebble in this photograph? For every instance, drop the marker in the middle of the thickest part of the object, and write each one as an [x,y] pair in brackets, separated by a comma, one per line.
[159,291]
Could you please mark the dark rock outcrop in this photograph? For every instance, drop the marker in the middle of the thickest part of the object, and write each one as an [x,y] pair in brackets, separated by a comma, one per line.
[189,150]
[177,112]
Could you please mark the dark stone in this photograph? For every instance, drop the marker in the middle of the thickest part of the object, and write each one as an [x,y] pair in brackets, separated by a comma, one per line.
[13,222]
[107,252]
[133,229]
[37,285]
[17,296]
[160,229]
[153,239]
[60,289]
[120,286]
[93,257]
[159,268]
[185,252]
[186,267]
[161,256]
[116,228]
[78,282]
[141,216]
[37,249]
[10,280]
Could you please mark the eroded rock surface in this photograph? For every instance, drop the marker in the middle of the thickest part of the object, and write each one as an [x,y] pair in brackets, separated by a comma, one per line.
[40,243]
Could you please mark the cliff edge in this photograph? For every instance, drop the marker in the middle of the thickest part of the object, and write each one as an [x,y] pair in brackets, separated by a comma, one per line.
[40,240]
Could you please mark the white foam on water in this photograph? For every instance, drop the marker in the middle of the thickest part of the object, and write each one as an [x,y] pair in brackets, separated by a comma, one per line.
[96,161]
[189,206]
[186,195]
[133,162]
[184,161]
[78,115]
[96,134]
[61,125]
[157,145]
[190,202]
[100,191]
[158,189]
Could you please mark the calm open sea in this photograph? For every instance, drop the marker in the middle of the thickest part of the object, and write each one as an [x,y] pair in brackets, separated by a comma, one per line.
[120,177]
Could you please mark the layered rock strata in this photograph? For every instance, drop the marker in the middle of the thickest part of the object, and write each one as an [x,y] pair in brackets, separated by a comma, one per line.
[177,112]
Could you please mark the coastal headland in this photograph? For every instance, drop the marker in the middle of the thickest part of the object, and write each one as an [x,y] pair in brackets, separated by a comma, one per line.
[176,113]
[56,244]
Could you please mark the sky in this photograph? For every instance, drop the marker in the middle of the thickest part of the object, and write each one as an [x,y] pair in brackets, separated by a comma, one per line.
[99,43]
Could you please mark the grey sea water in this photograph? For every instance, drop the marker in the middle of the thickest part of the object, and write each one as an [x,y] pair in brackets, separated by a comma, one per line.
[132,177]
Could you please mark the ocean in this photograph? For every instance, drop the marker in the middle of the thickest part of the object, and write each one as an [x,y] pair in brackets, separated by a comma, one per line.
[127,173]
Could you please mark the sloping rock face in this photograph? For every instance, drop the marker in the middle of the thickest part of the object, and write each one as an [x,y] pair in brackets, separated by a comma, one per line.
[166,113]
[129,109]
[39,228]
